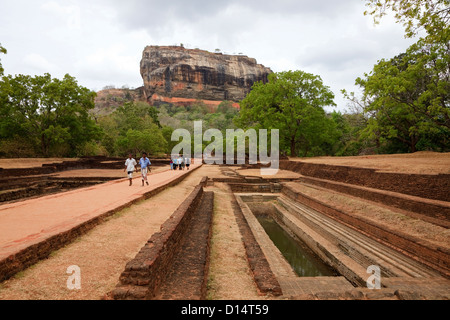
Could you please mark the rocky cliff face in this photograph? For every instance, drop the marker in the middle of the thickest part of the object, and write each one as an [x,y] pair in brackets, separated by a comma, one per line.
[178,75]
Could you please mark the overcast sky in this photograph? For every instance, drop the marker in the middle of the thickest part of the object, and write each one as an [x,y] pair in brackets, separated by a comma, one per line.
[100,42]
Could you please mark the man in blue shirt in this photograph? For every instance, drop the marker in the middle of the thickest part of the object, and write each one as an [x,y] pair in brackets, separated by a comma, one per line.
[145,165]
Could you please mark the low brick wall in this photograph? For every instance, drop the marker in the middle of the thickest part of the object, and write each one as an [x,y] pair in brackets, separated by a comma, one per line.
[426,186]
[144,275]
[436,257]
[26,171]
[428,210]
[253,180]
[255,188]
[44,185]
[33,254]
[188,276]
[262,274]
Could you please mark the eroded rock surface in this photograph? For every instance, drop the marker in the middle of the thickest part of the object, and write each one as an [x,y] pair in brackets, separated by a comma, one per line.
[175,74]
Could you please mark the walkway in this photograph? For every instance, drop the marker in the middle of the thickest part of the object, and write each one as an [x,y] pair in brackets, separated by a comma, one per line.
[26,223]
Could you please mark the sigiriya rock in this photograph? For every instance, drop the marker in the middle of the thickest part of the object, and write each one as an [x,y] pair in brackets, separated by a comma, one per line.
[174,74]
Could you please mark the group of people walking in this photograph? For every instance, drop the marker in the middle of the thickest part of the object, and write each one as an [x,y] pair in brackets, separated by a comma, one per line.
[131,165]
[180,163]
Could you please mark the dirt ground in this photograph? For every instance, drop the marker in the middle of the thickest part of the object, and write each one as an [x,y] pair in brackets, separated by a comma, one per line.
[21,163]
[419,162]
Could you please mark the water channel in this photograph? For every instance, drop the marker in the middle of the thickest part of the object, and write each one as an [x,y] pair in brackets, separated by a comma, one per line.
[304,262]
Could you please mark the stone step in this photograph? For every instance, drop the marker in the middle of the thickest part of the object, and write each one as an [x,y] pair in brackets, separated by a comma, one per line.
[368,247]
[358,246]
[432,211]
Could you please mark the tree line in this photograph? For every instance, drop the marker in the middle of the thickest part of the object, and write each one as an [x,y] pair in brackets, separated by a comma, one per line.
[404,106]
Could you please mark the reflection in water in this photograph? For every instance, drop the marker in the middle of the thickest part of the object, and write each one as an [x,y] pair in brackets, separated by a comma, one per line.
[304,262]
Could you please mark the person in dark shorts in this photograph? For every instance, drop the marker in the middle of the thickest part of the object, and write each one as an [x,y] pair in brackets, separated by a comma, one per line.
[175,163]
[130,166]
[187,161]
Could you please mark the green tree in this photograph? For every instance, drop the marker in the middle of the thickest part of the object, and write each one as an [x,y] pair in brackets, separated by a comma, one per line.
[226,107]
[407,98]
[110,133]
[149,140]
[135,115]
[167,134]
[51,113]
[134,127]
[349,127]
[2,50]
[433,16]
[292,102]
[320,137]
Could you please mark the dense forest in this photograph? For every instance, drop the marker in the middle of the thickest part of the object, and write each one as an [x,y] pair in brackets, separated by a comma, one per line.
[404,106]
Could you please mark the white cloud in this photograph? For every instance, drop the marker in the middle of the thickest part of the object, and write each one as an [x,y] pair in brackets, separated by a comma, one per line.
[39,64]
[109,64]
[71,14]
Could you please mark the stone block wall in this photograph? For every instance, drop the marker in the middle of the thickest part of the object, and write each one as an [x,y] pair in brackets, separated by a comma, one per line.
[255,188]
[426,186]
[143,275]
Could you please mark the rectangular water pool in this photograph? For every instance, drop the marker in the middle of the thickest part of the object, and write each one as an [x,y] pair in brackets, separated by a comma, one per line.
[304,262]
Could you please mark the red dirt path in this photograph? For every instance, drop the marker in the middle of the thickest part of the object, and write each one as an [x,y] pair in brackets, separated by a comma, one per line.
[31,221]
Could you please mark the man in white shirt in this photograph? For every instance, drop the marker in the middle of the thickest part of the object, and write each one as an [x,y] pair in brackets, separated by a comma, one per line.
[130,166]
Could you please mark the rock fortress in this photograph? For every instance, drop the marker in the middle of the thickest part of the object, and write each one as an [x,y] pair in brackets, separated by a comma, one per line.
[182,76]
